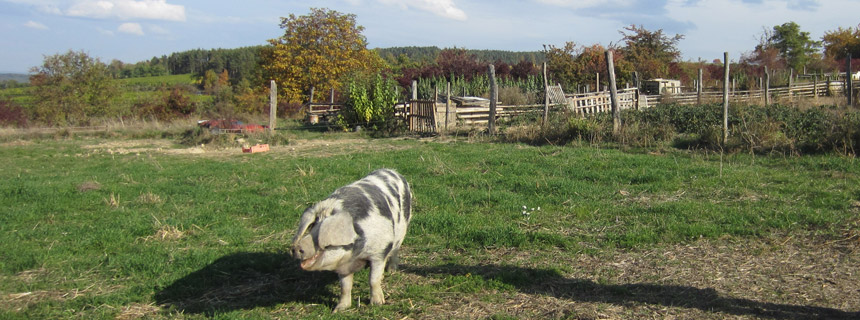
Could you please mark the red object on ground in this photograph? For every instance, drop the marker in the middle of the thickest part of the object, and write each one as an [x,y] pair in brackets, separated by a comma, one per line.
[256,148]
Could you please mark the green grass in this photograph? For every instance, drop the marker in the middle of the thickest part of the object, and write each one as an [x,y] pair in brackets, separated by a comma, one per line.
[88,232]
[132,89]
[21,96]
[168,80]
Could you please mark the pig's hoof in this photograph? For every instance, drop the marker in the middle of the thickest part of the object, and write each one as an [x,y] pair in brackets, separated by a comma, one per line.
[342,307]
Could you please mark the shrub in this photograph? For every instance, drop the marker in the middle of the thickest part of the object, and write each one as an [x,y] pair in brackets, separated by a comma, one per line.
[584,129]
[776,128]
[11,114]
[369,103]
[72,89]
[177,102]
[290,110]
[513,96]
[173,104]
[203,136]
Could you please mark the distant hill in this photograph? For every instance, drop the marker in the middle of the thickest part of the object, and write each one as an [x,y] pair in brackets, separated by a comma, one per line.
[20,77]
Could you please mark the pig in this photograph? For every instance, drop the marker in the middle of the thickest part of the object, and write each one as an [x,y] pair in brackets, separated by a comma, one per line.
[358,224]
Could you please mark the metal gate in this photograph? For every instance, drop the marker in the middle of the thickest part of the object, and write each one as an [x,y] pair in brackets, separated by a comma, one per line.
[421,116]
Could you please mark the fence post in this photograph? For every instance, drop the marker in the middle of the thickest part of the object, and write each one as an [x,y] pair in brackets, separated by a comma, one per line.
[638,91]
[726,98]
[613,95]
[447,105]
[766,87]
[414,89]
[699,88]
[273,105]
[493,97]
[331,100]
[814,86]
[848,80]
[546,97]
[311,99]
[597,82]
[790,84]
[636,79]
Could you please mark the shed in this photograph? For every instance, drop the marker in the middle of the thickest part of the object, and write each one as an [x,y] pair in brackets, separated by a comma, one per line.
[661,86]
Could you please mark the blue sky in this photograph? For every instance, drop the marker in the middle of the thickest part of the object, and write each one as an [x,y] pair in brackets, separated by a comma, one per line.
[135,30]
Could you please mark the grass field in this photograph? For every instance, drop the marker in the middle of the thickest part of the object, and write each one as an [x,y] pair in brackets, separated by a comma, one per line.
[156,81]
[96,227]
[131,89]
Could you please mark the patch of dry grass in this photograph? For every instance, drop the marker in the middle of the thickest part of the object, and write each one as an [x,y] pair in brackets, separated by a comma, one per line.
[149,198]
[137,311]
[89,186]
[113,200]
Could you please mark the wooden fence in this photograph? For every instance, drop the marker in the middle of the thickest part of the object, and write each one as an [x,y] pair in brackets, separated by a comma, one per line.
[595,102]
[428,116]
[421,116]
[806,90]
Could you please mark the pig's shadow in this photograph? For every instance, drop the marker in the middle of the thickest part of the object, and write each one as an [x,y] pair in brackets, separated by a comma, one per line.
[550,282]
[244,281]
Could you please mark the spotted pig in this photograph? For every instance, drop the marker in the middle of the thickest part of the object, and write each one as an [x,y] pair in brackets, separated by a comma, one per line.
[360,223]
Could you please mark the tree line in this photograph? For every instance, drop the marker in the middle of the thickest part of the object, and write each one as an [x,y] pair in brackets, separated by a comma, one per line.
[327,50]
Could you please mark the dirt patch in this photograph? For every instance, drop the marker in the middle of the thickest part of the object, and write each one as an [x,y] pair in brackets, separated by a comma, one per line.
[783,277]
[137,311]
[120,147]
[20,301]
[89,186]
[16,143]
[298,148]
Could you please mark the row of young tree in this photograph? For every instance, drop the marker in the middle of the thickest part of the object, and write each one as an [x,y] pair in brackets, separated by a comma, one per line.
[240,64]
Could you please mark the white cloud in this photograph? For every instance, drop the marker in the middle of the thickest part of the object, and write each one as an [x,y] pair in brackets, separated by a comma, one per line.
[127,10]
[131,28]
[443,8]
[580,4]
[35,25]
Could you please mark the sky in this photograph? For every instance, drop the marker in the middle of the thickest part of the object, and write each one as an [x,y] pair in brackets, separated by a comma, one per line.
[136,30]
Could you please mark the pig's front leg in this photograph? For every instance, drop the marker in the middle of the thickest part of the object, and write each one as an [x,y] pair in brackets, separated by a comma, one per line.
[345,293]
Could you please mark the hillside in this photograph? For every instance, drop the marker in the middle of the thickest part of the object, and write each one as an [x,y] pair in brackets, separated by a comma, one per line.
[20,77]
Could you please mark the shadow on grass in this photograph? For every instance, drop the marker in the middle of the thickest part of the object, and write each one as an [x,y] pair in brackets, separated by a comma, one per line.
[245,281]
[551,283]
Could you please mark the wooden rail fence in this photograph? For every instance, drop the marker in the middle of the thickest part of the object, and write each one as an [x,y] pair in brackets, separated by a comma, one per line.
[425,115]
[807,90]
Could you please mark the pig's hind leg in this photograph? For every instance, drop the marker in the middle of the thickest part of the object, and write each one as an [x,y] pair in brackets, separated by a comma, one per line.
[377,267]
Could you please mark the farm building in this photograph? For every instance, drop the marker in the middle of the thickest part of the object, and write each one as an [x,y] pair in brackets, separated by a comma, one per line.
[661,86]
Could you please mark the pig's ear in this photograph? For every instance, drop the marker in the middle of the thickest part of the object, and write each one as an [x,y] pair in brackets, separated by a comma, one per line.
[336,230]
[308,220]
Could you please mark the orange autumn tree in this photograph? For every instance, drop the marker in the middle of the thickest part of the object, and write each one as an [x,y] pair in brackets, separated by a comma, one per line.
[318,50]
